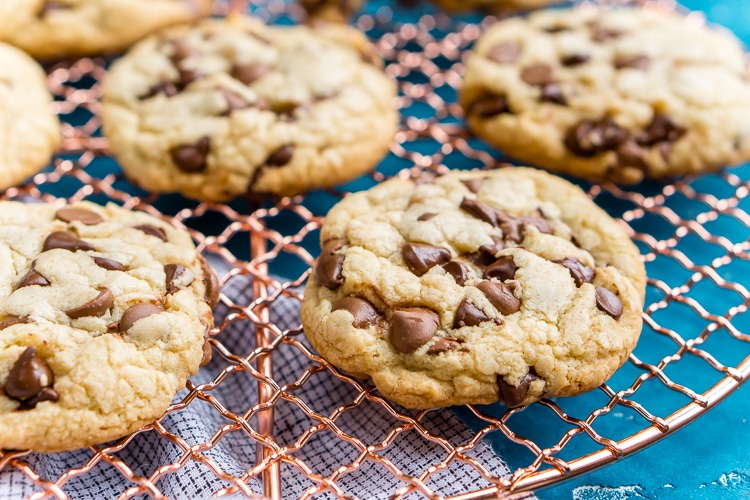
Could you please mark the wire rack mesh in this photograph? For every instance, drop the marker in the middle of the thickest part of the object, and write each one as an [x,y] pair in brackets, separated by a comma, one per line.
[693,233]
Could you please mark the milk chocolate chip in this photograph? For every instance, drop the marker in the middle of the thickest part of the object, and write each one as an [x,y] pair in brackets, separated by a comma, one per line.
[328,268]
[172,272]
[458,270]
[512,396]
[590,138]
[65,241]
[30,380]
[163,87]
[280,156]
[420,258]
[426,216]
[537,74]
[412,328]
[608,302]
[12,320]
[211,283]
[489,106]
[108,264]
[487,254]
[480,210]
[86,217]
[503,269]
[191,158]
[501,296]
[474,185]
[363,312]
[31,278]
[634,62]
[552,92]
[153,231]
[135,313]
[94,307]
[235,102]
[468,314]
[504,53]
[580,272]
[442,345]
[249,72]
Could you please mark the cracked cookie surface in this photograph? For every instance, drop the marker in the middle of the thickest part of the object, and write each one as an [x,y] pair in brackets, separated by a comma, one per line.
[475,287]
[621,94]
[230,107]
[61,28]
[104,314]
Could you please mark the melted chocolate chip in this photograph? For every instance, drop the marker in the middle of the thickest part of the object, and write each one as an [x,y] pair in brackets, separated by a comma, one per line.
[608,302]
[552,92]
[489,106]
[580,272]
[172,272]
[363,312]
[65,241]
[12,320]
[634,62]
[329,266]
[31,278]
[474,185]
[108,264]
[153,231]
[458,270]
[28,379]
[412,328]
[468,314]
[426,216]
[137,312]
[512,396]
[187,76]
[504,53]
[537,74]
[207,353]
[480,210]
[211,283]
[501,296]
[85,217]
[503,269]
[575,59]
[661,129]
[420,258]
[442,345]
[590,138]
[280,156]
[191,158]
[487,254]
[630,154]
[94,307]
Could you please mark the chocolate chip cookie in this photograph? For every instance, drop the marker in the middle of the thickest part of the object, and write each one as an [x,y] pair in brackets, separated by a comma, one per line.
[233,106]
[104,314]
[331,10]
[54,29]
[474,287]
[611,94]
[492,5]
[31,130]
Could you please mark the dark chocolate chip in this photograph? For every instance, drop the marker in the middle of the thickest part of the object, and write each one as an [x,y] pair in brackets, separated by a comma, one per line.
[28,377]
[153,231]
[108,264]
[590,138]
[420,258]
[45,394]
[442,345]
[164,87]
[426,216]
[512,396]
[137,312]
[211,283]
[235,102]
[504,53]
[363,312]
[503,269]
[608,302]
[172,272]
[94,307]
[661,129]
[480,210]
[468,314]
[537,74]
[630,154]
[65,241]
[575,59]
[489,106]
[552,92]
[412,328]
[85,217]
[474,185]
[12,320]
[634,62]
[280,156]
[192,157]
[329,266]
[580,272]
[458,270]
[501,296]
[31,278]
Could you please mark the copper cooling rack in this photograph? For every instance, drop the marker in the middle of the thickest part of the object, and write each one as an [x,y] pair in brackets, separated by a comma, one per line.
[694,351]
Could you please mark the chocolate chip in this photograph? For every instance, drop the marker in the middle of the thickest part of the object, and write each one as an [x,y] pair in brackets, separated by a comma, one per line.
[556,29]
[590,138]
[604,34]
[458,270]
[363,312]
[65,241]
[575,59]
[665,150]
[635,62]
[608,302]
[515,227]
[153,231]
[420,258]
[501,296]
[426,216]
[489,106]
[468,314]
[27,380]
[280,156]
[193,157]
[94,307]
[442,345]
[630,154]
[108,264]
[172,272]
[11,320]
[50,6]
[480,210]
[412,328]
[285,110]
[207,353]
[537,74]
[487,254]
[512,396]
[186,77]
[503,269]
[474,185]
[31,278]
[235,102]
[181,50]
[552,92]
[504,53]
[662,128]
[164,87]
[211,283]
[137,312]
[85,217]
[580,272]
[329,266]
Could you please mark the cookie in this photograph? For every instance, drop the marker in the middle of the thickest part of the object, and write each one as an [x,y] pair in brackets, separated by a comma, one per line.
[331,10]
[61,28]
[611,94]
[492,5]
[104,314]
[475,287]
[31,131]
[230,107]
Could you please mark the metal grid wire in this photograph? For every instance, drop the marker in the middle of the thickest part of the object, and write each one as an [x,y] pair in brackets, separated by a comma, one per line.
[693,234]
